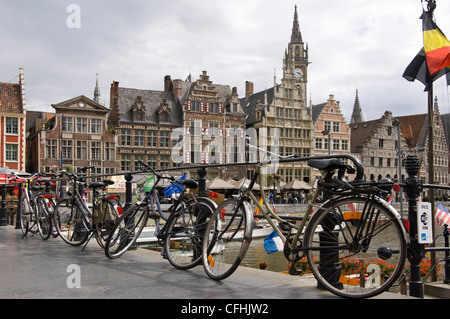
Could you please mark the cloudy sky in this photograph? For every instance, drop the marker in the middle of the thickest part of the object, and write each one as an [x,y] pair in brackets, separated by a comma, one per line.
[353,44]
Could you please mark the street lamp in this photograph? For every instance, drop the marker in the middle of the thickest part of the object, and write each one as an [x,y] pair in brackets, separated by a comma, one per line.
[327,132]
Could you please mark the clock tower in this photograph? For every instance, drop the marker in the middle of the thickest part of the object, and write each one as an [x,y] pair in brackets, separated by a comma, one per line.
[295,63]
[282,111]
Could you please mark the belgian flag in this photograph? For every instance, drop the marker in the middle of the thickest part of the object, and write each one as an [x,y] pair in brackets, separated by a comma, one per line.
[436,45]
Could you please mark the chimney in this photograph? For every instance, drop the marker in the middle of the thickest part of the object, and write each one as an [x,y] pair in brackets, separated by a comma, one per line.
[168,86]
[177,87]
[22,88]
[248,89]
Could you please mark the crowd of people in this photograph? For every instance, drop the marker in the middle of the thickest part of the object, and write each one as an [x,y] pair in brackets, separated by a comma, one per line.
[295,197]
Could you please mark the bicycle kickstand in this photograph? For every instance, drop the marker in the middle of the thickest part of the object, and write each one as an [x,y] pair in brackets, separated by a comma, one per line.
[87,241]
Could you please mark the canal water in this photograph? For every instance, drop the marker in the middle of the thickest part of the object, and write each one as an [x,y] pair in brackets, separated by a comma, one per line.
[256,254]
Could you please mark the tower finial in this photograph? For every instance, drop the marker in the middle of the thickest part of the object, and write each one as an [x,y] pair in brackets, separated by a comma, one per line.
[97,91]
[296,36]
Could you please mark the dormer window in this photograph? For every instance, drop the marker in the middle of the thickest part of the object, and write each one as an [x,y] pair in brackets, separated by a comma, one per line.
[138,110]
[163,112]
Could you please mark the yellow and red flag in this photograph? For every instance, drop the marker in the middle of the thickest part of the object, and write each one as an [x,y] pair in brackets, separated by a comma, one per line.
[436,45]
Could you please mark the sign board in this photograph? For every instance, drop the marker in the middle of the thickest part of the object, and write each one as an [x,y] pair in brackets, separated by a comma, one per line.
[424,223]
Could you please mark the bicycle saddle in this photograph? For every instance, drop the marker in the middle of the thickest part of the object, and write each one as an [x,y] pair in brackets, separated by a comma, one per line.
[189,183]
[325,164]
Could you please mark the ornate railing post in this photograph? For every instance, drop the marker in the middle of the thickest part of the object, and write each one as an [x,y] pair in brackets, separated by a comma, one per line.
[416,251]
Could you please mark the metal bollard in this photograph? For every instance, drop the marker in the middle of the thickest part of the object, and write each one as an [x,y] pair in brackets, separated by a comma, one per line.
[416,251]
[447,256]
[3,211]
[201,181]
[129,199]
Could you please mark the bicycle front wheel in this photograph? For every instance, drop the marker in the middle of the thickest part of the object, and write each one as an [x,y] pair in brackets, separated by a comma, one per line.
[185,231]
[126,230]
[227,238]
[355,247]
[69,223]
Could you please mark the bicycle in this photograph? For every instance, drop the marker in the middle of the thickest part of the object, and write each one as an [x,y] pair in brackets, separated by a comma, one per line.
[33,212]
[74,221]
[182,233]
[349,234]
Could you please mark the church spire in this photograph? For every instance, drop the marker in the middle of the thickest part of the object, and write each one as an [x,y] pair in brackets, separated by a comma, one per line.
[97,91]
[357,116]
[296,36]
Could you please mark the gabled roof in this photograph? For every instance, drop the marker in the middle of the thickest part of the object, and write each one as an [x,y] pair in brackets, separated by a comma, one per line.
[249,105]
[316,110]
[73,105]
[10,98]
[151,100]
[361,133]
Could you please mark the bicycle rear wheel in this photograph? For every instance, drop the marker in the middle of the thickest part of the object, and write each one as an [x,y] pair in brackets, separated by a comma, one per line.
[126,230]
[185,231]
[44,219]
[105,216]
[355,247]
[24,215]
[227,239]
[69,223]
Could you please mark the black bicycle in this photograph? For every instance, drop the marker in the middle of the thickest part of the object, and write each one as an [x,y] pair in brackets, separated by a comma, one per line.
[182,233]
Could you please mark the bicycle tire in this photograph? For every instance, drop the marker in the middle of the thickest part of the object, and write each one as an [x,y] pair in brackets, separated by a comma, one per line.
[185,231]
[24,216]
[126,230]
[44,219]
[69,223]
[358,266]
[104,219]
[227,238]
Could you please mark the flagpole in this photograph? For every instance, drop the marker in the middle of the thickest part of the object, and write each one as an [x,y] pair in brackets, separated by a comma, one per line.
[431,169]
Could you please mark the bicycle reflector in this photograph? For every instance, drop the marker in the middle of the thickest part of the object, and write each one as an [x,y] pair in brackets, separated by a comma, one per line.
[396,188]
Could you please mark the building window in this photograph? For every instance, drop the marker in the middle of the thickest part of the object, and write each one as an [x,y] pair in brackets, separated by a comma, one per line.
[335,144]
[344,145]
[137,162]
[96,126]
[82,125]
[318,143]
[96,150]
[381,143]
[380,161]
[67,124]
[126,138]
[126,163]
[336,126]
[51,149]
[12,125]
[82,150]
[165,161]
[164,139]
[109,151]
[11,152]
[67,146]
[152,138]
[327,126]
[139,138]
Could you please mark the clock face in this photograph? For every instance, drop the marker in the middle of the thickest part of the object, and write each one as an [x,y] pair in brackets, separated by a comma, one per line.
[298,73]
[81,104]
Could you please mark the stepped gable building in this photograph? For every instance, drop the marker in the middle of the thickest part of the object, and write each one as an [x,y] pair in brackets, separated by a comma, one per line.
[332,133]
[12,124]
[375,144]
[415,131]
[214,125]
[144,121]
[281,112]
